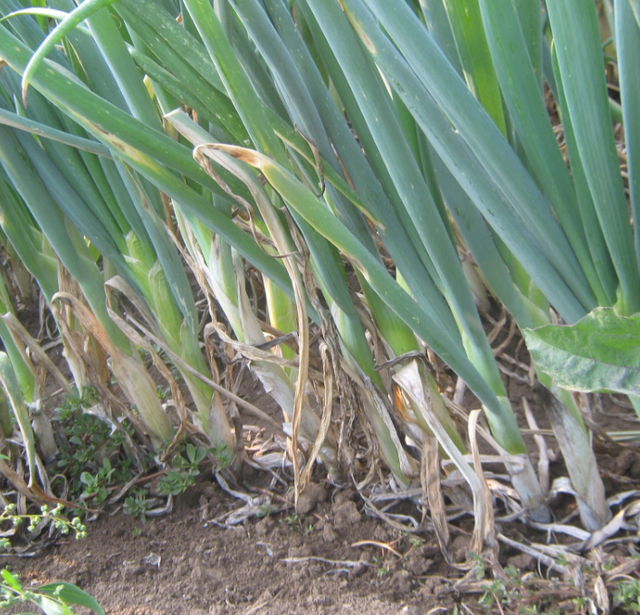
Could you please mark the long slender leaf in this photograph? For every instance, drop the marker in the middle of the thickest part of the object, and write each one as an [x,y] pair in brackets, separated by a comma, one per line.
[495,158]
[13,392]
[577,41]
[524,98]
[71,21]
[42,130]
[628,45]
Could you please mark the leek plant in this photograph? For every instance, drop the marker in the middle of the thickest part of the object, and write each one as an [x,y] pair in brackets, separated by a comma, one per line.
[118,213]
[373,132]
[574,239]
[444,316]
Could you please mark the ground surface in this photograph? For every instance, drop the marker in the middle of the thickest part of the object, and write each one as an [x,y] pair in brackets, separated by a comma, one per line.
[179,564]
[332,558]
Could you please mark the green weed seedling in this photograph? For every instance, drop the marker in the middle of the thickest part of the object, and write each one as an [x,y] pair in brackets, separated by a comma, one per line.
[53,599]
[96,486]
[627,595]
[136,505]
[382,568]
[264,510]
[184,471]
[90,443]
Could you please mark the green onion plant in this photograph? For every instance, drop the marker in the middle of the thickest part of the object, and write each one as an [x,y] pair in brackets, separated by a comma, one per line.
[369,142]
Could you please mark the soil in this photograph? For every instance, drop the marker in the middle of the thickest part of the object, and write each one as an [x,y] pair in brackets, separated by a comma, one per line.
[329,557]
[183,564]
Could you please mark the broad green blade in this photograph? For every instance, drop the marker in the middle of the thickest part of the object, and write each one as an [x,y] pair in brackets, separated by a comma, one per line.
[479,240]
[307,98]
[165,250]
[91,225]
[577,40]
[98,116]
[437,21]
[65,241]
[41,130]
[12,390]
[635,8]
[601,352]
[251,109]
[530,17]
[595,237]
[174,35]
[374,182]
[416,196]
[205,110]
[525,100]
[188,77]
[473,50]
[129,79]
[27,241]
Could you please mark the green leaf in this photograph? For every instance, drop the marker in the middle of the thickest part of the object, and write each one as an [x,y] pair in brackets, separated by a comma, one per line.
[478,68]
[72,595]
[12,389]
[475,151]
[635,7]
[318,216]
[579,49]
[11,580]
[50,607]
[601,352]
[11,119]
[66,25]
[628,46]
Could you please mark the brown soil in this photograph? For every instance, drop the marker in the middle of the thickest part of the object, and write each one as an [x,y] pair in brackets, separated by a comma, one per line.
[333,559]
[181,564]
[185,563]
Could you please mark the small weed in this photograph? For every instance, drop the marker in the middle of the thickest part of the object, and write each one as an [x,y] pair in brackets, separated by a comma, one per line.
[627,595]
[308,529]
[136,505]
[96,486]
[136,532]
[185,468]
[222,456]
[382,568]
[265,510]
[479,566]
[183,474]
[580,604]
[88,447]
